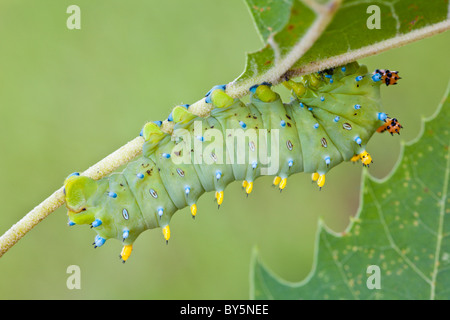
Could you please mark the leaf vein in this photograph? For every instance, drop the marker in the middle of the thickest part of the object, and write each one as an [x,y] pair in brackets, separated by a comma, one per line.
[391,239]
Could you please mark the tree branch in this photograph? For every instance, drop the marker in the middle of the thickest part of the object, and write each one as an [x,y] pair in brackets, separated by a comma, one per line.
[236,90]
[39,213]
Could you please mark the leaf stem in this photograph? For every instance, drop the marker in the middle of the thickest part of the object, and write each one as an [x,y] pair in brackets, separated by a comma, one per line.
[371,50]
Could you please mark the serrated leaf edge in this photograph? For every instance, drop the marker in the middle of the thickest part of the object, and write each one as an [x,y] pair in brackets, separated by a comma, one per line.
[322,227]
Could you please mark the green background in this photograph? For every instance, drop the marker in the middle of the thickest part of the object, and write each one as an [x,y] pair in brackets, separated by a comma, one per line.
[68,98]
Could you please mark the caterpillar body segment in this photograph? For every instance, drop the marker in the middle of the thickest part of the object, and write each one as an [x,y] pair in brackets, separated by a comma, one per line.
[330,119]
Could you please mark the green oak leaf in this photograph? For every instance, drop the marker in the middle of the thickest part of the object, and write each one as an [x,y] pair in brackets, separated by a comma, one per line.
[304,36]
[402,228]
[288,29]
[270,16]
[348,34]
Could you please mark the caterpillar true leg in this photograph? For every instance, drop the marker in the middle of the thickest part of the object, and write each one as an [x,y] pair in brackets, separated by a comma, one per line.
[331,118]
[365,157]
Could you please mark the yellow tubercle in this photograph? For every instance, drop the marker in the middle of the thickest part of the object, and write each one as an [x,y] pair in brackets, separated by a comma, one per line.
[220,99]
[311,80]
[276,181]
[219,197]
[321,181]
[365,157]
[244,184]
[166,232]
[249,187]
[194,210]
[151,128]
[315,176]
[265,94]
[126,252]
[283,183]
[298,88]
[181,114]
[355,158]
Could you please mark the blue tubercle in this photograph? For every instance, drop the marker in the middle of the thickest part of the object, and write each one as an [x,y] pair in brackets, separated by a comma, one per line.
[357,106]
[322,98]
[382,116]
[125,234]
[376,77]
[358,140]
[316,126]
[290,163]
[253,88]
[242,124]
[218,87]
[140,175]
[166,155]
[112,195]
[359,78]
[336,119]
[96,223]
[99,241]
[158,123]
[74,174]
[283,123]
[218,174]
[71,223]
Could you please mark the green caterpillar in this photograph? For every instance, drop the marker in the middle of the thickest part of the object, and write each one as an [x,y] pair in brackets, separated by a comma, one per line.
[330,119]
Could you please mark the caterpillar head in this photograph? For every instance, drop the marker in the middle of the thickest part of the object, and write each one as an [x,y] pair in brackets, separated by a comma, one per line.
[78,191]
